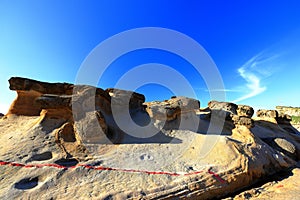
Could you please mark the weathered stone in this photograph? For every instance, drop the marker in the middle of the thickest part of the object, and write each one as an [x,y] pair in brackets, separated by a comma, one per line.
[244,110]
[267,113]
[292,111]
[24,84]
[92,128]
[243,121]
[284,119]
[226,106]
[29,90]
[170,162]
[172,109]
[67,140]
[122,98]
[283,145]
[286,146]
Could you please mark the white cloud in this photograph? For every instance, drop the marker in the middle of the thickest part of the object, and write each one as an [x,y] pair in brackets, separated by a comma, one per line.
[252,72]
[222,90]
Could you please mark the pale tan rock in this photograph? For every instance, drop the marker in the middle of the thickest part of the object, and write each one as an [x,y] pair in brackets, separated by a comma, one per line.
[29,90]
[243,121]
[80,159]
[245,111]
[267,113]
[172,109]
[226,106]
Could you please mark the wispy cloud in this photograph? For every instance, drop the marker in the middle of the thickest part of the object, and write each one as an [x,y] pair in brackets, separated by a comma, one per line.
[221,90]
[252,72]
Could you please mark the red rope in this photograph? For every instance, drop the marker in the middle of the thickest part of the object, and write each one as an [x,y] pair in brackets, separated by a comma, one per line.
[109,169]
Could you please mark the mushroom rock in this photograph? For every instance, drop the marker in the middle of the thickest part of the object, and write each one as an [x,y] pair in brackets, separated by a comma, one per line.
[29,90]
[244,110]
[61,134]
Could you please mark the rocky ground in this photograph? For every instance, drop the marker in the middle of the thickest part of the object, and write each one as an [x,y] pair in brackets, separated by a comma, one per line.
[60,141]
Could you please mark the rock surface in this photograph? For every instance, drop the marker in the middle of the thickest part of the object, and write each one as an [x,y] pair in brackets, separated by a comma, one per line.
[172,108]
[226,106]
[292,111]
[245,111]
[29,90]
[284,185]
[61,141]
[283,120]
[267,113]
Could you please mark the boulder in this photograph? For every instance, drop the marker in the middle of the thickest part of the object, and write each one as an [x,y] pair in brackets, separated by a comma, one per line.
[171,109]
[122,98]
[243,121]
[267,113]
[226,106]
[1,115]
[245,111]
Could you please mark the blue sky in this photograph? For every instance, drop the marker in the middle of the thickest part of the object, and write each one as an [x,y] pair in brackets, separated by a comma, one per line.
[254,44]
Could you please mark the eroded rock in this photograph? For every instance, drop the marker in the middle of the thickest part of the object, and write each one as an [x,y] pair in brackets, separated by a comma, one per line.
[29,90]
[172,109]
[245,111]
[72,138]
[226,106]
[267,113]
[243,121]
[125,99]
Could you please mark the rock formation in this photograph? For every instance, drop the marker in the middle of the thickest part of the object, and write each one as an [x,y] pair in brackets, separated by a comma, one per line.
[292,111]
[171,109]
[245,111]
[283,120]
[65,141]
[29,90]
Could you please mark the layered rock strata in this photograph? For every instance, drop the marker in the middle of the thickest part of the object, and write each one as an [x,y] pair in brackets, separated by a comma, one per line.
[62,141]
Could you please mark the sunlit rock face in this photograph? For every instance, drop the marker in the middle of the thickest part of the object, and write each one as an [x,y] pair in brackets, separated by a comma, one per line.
[62,141]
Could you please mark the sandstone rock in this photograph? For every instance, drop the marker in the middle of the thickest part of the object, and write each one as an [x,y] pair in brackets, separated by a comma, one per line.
[226,106]
[29,90]
[59,154]
[267,113]
[284,185]
[286,146]
[24,84]
[67,140]
[172,109]
[243,121]
[122,98]
[88,98]
[282,145]
[92,128]
[245,111]
[292,111]
[284,119]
